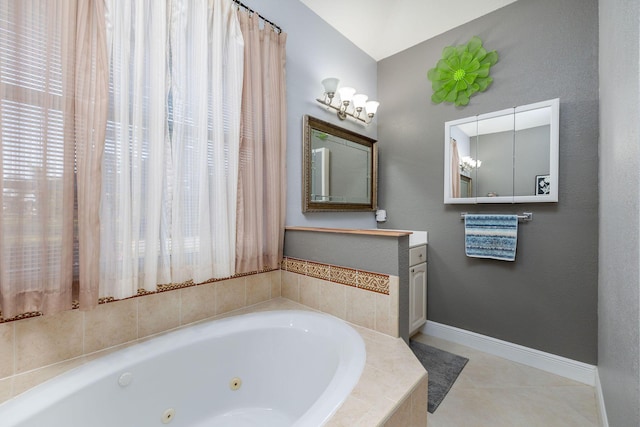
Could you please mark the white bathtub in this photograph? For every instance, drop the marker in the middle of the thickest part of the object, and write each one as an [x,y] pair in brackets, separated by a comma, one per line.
[295,368]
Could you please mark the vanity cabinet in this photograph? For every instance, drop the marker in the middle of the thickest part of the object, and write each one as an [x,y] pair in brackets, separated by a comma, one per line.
[417,288]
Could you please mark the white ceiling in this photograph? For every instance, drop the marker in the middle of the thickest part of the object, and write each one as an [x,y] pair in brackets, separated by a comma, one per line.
[382,28]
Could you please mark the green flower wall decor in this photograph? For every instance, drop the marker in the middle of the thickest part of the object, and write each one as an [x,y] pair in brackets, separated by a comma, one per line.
[462,71]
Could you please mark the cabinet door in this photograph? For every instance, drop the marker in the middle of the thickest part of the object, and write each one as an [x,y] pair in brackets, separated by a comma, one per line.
[417,296]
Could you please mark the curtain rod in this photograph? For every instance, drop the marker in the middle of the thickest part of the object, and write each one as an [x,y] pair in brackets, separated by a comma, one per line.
[248,9]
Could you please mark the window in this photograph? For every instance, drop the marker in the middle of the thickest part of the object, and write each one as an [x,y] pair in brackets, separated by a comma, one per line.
[36,154]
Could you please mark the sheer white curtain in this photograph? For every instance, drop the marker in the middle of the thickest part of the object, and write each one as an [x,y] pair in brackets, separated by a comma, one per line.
[133,176]
[170,163]
[207,68]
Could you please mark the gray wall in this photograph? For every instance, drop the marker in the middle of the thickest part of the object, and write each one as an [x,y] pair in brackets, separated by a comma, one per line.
[500,173]
[315,50]
[619,275]
[532,159]
[547,298]
[379,254]
[495,175]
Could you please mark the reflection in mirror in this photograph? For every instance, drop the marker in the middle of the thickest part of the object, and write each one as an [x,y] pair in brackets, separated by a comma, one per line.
[509,156]
[464,161]
[494,145]
[466,186]
[339,168]
[532,146]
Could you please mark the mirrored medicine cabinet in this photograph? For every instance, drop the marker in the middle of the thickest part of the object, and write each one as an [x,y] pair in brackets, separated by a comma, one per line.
[339,169]
[508,156]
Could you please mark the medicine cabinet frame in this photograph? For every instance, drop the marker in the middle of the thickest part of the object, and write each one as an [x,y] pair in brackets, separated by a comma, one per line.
[550,177]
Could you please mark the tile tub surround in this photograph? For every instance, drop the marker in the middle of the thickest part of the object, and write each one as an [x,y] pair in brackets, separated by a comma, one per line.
[35,349]
[368,250]
[392,391]
[364,298]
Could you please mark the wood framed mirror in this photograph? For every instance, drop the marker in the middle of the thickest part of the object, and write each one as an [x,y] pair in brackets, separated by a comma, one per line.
[339,169]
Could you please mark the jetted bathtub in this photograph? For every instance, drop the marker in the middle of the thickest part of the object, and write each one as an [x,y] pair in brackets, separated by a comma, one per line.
[276,368]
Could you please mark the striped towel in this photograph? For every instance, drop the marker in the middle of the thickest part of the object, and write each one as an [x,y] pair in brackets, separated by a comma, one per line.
[491,236]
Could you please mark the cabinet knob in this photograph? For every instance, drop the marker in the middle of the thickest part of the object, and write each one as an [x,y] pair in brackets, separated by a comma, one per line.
[413,270]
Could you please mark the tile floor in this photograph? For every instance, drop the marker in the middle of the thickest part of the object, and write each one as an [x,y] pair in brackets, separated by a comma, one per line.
[492,391]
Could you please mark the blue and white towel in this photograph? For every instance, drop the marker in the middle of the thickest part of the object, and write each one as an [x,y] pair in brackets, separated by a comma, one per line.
[491,236]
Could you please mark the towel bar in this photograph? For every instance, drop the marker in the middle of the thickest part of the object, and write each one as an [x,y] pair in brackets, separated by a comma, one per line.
[526,216]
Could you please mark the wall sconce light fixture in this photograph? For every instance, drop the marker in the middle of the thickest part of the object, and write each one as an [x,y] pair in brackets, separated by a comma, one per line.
[467,164]
[350,103]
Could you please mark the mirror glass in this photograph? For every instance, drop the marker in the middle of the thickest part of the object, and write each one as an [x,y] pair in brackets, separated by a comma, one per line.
[508,156]
[339,168]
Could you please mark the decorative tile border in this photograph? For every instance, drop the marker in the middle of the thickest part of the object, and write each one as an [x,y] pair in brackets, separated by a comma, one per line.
[319,271]
[295,265]
[375,282]
[142,292]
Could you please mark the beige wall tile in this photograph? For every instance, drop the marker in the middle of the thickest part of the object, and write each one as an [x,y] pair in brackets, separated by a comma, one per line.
[98,354]
[31,379]
[5,389]
[381,407]
[276,283]
[291,286]
[110,324]
[419,399]
[158,312]
[258,287]
[6,349]
[197,303]
[333,299]
[383,317]
[394,309]
[230,295]
[394,293]
[361,307]
[48,339]
[395,360]
[310,292]
[351,411]
[402,415]
[395,326]
[380,383]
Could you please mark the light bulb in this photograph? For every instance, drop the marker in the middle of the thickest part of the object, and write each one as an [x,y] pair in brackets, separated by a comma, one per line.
[372,108]
[330,85]
[346,94]
[359,101]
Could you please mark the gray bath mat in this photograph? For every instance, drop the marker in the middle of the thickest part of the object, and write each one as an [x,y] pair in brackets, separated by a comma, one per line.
[443,368]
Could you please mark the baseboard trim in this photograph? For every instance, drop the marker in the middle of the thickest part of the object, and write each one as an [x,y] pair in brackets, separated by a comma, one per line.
[568,368]
[604,421]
